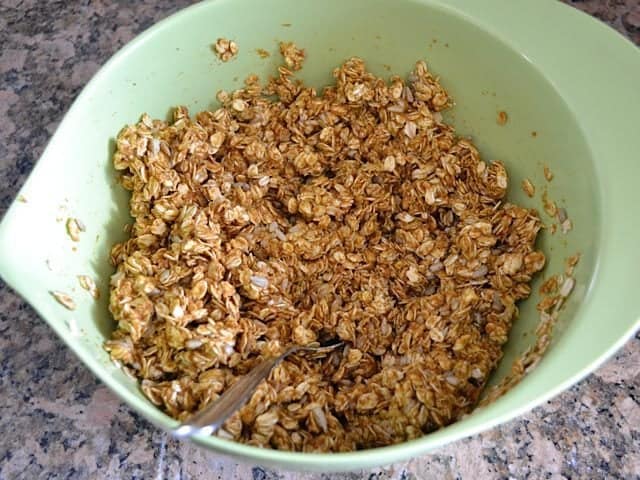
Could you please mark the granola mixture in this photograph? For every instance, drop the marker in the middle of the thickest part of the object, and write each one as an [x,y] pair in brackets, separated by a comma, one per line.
[355,214]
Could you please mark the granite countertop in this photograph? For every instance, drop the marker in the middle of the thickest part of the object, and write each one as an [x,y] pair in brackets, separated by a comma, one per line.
[58,421]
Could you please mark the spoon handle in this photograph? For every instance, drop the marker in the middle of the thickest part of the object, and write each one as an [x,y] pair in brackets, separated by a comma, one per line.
[212,416]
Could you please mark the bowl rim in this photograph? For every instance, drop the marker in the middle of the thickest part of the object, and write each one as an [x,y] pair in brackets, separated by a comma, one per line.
[513,26]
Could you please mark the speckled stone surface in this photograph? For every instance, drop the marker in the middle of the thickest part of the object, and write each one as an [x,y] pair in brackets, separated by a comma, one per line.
[57,421]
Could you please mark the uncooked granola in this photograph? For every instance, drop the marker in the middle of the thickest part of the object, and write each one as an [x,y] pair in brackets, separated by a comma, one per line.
[64,299]
[293,56]
[549,205]
[570,264]
[528,188]
[225,49]
[89,285]
[356,214]
[73,229]
[262,53]
[566,225]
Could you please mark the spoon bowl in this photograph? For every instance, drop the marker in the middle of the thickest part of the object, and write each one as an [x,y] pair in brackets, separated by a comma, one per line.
[209,419]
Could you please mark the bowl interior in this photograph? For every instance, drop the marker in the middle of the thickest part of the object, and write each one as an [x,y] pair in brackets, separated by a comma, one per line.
[173,64]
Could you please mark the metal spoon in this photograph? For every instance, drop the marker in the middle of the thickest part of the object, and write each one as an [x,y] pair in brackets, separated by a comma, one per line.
[212,416]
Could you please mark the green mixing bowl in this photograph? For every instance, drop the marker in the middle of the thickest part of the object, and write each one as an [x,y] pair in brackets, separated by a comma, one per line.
[556,72]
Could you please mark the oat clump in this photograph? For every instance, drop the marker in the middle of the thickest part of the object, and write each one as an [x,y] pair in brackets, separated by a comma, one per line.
[225,49]
[356,214]
[293,56]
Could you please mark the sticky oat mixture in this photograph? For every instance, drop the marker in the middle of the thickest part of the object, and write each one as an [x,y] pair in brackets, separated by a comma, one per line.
[353,213]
